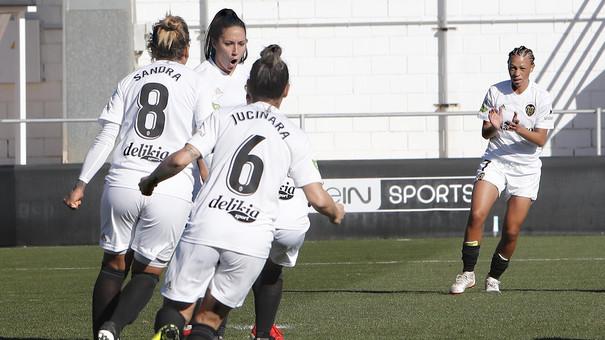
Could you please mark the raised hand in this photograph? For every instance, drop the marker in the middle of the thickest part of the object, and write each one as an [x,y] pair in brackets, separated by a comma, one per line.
[495,117]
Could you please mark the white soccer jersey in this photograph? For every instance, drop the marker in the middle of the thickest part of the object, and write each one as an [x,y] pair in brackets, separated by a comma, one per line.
[227,89]
[534,110]
[158,107]
[254,147]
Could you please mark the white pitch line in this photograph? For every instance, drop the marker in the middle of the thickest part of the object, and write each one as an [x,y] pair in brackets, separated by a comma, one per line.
[241,327]
[352,263]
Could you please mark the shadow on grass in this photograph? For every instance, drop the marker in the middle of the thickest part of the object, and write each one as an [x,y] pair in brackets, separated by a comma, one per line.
[26,338]
[577,290]
[364,291]
[557,338]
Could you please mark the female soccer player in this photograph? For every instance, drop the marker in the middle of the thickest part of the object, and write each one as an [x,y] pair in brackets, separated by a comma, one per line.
[154,110]
[517,115]
[225,51]
[224,68]
[225,246]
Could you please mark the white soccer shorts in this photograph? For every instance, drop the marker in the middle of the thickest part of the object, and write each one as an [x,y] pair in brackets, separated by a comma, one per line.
[286,245]
[510,179]
[149,225]
[196,267]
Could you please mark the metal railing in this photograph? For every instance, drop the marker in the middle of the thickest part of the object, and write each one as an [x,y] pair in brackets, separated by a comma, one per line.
[302,117]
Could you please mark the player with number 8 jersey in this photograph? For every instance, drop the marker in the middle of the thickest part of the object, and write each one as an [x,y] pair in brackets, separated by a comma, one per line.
[151,114]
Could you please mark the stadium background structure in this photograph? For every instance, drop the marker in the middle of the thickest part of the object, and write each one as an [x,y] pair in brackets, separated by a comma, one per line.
[347,56]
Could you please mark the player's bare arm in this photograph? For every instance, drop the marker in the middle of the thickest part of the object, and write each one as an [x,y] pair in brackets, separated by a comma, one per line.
[323,202]
[169,167]
[74,199]
[536,136]
[204,172]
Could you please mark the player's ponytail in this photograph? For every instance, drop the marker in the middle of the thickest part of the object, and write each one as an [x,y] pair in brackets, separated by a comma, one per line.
[169,38]
[269,75]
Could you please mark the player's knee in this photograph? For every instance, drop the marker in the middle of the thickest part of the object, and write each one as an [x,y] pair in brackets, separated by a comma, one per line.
[111,271]
[510,234]
[476,218]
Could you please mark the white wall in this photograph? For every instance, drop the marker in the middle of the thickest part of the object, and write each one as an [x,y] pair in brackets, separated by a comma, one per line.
[385,60]
[379,56]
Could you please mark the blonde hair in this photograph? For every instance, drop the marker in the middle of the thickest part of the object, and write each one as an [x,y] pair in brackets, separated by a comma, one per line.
[169,38]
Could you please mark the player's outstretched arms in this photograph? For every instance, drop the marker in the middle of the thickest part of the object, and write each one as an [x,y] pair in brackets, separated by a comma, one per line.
[323,202]
[74,199]
[169,167]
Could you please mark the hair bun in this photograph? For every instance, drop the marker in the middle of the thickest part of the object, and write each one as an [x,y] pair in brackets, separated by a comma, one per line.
[271,55]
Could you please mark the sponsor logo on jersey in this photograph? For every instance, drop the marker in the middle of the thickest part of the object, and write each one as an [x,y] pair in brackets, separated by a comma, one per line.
[146,151]
[158,69]
[483,108]
[530,109]
[240,210]
[286,191]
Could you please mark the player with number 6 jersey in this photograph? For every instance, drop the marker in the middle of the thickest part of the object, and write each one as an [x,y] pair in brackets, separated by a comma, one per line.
[151,114]
[228,239]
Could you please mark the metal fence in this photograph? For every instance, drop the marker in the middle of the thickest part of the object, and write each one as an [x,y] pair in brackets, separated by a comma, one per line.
[21,147]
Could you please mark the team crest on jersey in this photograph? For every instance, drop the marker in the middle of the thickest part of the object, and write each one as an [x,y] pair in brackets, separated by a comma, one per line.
[240,210]
[286,191]
[530,109]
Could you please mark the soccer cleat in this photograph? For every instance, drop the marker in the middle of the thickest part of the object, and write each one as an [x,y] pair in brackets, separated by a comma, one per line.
[107,331]
[492,285]
[186,331]
[274,334]
[463,281]
[167,332]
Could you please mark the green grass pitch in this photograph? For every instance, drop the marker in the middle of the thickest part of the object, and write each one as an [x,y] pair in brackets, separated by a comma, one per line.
[352,289]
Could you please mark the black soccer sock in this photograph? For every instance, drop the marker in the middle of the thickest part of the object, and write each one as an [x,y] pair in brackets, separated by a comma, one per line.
[267,296]
[168,315]
[105,296]
[200,331]
[135,296]
[498,266]
[222,328]
[470,254]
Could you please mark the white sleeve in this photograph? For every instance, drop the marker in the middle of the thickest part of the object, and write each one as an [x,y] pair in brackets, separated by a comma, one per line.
[303,169]
[100,149]
[114,110]
[205,137]
[545,119]
[203,106]
[488,103]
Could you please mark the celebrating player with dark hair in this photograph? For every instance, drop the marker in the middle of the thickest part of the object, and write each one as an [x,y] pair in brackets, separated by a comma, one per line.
[153,111]
[225,51]
[225,246]
[517,115]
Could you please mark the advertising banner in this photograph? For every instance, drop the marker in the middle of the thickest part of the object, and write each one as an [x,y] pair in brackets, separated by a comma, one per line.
[400,194]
